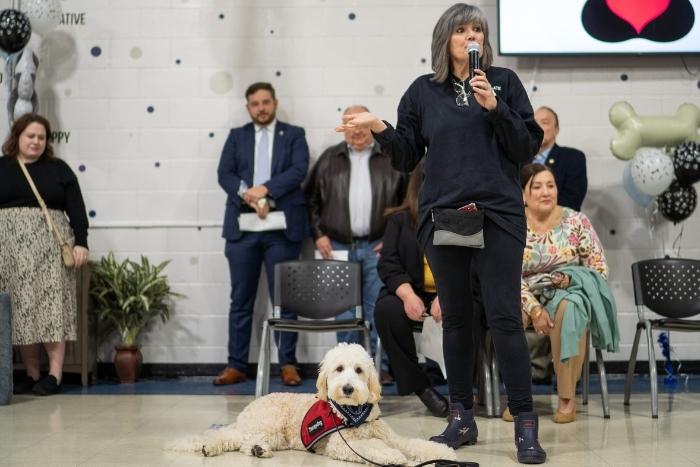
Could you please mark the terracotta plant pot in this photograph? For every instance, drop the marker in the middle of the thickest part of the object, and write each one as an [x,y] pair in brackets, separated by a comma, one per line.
[127,362]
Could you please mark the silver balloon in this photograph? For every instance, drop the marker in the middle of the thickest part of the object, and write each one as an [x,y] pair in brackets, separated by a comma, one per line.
[652,170]
[44,15]
[22,107]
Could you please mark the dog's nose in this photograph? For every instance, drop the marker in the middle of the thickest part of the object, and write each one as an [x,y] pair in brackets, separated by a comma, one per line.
[348,389]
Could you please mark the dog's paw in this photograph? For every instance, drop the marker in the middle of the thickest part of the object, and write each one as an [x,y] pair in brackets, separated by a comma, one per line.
[208,451]
[257,449]
[434,450]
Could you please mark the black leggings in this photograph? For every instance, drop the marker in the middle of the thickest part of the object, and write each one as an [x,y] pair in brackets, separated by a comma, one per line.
[498,269]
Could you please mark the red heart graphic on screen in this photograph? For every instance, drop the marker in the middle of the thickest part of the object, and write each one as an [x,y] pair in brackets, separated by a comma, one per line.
[638,13]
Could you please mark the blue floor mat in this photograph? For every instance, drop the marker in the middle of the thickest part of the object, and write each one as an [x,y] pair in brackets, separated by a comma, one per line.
[201,385]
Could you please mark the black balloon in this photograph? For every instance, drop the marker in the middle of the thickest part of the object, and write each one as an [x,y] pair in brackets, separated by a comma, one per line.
[15,30]
[678,202]
[686,162]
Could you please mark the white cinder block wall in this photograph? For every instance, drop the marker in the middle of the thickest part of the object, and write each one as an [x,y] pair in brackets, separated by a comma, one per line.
[145,91]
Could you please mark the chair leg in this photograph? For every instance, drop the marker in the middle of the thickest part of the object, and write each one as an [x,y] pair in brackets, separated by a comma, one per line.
[487,396]
[378,356]
[262,382]
[603,382]
[652,372]
[586,370]
[632,362]
[495,381]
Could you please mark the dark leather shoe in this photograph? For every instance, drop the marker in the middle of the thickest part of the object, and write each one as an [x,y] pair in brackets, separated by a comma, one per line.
[435,402]
[526,442]
[385,378]
[290,375]
[461,428]
[23,385]
[46,386]
[229,376]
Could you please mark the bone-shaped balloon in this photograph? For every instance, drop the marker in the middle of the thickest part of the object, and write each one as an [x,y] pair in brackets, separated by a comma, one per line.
[633,131]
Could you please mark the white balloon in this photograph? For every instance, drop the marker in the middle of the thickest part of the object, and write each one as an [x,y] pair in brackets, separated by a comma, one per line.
[652,170]
[44,15]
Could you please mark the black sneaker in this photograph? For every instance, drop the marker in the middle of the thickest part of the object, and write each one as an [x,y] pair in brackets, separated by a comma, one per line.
[46,386]
[23,385]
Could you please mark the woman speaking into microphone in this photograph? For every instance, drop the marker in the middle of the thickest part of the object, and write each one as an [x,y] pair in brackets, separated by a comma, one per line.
[474,134]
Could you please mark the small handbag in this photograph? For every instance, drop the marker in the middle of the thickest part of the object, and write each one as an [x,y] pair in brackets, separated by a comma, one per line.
[66,249]
[458,227]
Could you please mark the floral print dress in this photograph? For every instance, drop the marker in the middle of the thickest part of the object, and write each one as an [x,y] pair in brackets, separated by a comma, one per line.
[572,242]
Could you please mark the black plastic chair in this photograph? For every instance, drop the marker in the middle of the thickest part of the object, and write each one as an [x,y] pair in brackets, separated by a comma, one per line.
[669,287]
[317,291]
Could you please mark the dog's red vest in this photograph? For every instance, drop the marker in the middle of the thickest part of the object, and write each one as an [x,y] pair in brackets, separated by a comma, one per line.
[319,422]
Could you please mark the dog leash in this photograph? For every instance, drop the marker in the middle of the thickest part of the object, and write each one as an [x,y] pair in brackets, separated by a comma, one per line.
[436,462]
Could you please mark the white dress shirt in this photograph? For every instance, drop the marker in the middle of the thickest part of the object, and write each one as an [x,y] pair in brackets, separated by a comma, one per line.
[360,191]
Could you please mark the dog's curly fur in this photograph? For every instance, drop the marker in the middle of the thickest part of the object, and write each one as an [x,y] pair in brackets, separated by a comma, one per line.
[272,423]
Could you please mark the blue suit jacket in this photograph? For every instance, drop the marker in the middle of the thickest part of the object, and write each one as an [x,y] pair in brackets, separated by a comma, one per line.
[569,167]
[290,161]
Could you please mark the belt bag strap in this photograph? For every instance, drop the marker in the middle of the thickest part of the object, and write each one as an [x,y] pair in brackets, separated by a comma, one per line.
[52,227]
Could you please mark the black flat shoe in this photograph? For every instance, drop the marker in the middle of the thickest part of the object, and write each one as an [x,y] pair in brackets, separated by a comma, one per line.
[23,385]
[461,428]
[526,442]
[46,386]
[435,402]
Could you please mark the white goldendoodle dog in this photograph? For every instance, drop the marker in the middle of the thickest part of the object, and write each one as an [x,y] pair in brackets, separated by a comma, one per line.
[344,418]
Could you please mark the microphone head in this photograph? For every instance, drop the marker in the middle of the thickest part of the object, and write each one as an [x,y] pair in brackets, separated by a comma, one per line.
[473,47]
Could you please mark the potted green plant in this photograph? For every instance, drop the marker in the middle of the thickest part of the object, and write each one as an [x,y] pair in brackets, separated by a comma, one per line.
[127,295]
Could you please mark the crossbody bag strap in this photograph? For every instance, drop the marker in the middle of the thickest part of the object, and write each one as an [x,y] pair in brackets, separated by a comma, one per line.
[52,227]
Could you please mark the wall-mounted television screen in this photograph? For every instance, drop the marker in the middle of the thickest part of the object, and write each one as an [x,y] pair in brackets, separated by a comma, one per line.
[560,27]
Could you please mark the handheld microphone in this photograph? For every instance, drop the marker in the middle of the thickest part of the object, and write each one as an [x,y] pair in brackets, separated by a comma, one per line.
[473,51]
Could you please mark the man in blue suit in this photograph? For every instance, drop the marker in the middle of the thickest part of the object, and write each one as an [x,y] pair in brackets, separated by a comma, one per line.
[262,166]
[568,164]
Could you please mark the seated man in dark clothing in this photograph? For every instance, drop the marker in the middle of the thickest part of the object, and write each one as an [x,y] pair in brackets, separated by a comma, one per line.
[408,297]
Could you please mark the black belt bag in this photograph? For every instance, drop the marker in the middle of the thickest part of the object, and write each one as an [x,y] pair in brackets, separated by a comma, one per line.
[453,227]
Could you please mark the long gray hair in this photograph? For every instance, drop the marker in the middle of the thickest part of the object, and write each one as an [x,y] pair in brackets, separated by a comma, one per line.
[459,13]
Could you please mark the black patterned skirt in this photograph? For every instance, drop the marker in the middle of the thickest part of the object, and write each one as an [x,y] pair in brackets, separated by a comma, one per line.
[42,290]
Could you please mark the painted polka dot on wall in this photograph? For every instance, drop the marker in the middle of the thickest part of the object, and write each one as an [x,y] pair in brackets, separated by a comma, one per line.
[221,82]
[81,167]
[96,51]
[178,61]
[221,16]
[136,53]
[92,213]
[211,134]
[150,109]
[157,164]
[352,16]
[278,73]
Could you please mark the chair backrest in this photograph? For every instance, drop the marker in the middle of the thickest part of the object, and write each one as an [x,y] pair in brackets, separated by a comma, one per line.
[669,286]
[318,289]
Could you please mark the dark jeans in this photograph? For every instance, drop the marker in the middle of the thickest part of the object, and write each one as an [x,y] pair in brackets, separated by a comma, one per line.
[396,331]
[245,258]
[498,269]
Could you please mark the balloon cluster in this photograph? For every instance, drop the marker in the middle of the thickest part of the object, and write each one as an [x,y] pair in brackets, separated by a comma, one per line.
[21,62]
[652,173]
